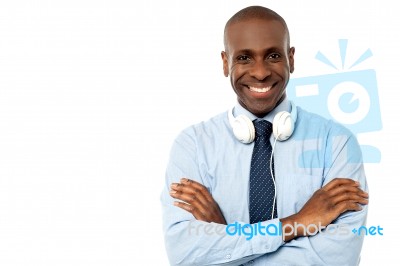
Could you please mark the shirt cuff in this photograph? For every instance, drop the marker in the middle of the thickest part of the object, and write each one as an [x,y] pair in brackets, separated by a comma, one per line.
[268,237]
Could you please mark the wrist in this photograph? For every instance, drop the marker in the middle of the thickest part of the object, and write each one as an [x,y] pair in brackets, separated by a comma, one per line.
[291,228]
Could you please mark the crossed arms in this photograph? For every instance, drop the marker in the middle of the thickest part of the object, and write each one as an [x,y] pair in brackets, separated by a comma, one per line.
[188,202]
[338,196]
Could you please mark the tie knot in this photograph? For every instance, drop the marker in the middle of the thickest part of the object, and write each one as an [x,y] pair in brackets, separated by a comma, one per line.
[263,128]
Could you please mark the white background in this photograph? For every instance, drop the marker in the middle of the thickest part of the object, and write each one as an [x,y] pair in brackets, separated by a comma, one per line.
[92,94]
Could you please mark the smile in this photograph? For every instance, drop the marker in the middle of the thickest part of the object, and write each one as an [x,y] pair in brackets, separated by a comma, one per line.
[260,90]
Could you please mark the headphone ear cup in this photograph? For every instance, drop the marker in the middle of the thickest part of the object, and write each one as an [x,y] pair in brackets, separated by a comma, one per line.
[282,126]
[243,129]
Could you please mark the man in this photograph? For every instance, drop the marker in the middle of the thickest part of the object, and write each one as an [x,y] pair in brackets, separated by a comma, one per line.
[315,178]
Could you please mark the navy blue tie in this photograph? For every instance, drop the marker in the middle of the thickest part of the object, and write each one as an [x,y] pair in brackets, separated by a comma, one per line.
[262,188]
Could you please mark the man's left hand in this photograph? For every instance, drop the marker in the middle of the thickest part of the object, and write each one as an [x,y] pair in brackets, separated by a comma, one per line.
[195,198]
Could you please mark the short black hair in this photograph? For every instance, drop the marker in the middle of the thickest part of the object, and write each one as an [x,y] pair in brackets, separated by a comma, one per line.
[255,12]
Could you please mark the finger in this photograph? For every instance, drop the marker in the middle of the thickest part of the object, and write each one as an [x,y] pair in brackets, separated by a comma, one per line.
[188,183]
[350,196]
[347,206]
[189,208]
[346,190]
[190,199]
[197,196]
[190,193]
[195,200]
[198,188]
[340,182]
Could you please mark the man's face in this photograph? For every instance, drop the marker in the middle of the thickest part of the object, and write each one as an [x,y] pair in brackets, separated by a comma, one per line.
[259,62]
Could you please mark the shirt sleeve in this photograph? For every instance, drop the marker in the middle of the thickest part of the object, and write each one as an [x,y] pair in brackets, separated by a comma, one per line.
[192,242]
[339,243]
[343,245]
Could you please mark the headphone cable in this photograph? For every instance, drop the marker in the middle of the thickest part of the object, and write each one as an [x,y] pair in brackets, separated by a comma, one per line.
[273,178]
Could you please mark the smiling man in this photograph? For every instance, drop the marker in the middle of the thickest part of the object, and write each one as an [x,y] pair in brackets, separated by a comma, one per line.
[264,164]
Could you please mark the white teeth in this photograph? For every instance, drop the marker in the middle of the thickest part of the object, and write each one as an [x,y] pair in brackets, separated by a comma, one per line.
[260,89]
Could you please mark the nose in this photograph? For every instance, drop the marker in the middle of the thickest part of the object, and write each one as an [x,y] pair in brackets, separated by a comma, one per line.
[260,70]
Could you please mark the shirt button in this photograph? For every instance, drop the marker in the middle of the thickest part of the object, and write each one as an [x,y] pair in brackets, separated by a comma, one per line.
[228,256]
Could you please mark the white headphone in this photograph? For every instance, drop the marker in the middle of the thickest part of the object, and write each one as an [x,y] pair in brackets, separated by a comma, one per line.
[282,125]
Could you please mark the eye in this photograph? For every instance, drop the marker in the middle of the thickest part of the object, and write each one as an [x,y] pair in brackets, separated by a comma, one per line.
[243,58]
[274,56]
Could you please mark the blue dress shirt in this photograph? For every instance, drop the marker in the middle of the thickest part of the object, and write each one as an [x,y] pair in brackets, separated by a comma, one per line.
[318,151]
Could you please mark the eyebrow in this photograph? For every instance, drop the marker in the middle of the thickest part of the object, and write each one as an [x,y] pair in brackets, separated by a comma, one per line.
[265,51]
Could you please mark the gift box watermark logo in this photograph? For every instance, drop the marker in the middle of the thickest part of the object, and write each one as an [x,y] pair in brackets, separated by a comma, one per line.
[348,97]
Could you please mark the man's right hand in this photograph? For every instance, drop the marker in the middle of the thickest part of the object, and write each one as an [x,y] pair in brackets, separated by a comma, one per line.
[326,204]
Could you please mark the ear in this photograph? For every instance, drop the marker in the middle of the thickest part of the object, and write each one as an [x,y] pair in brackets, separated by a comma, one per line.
[224,57]
[291,59]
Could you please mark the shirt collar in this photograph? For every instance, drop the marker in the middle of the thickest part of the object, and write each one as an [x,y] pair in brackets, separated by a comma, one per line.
[283,106]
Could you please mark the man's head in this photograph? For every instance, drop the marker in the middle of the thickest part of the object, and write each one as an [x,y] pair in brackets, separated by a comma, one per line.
[258,58]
